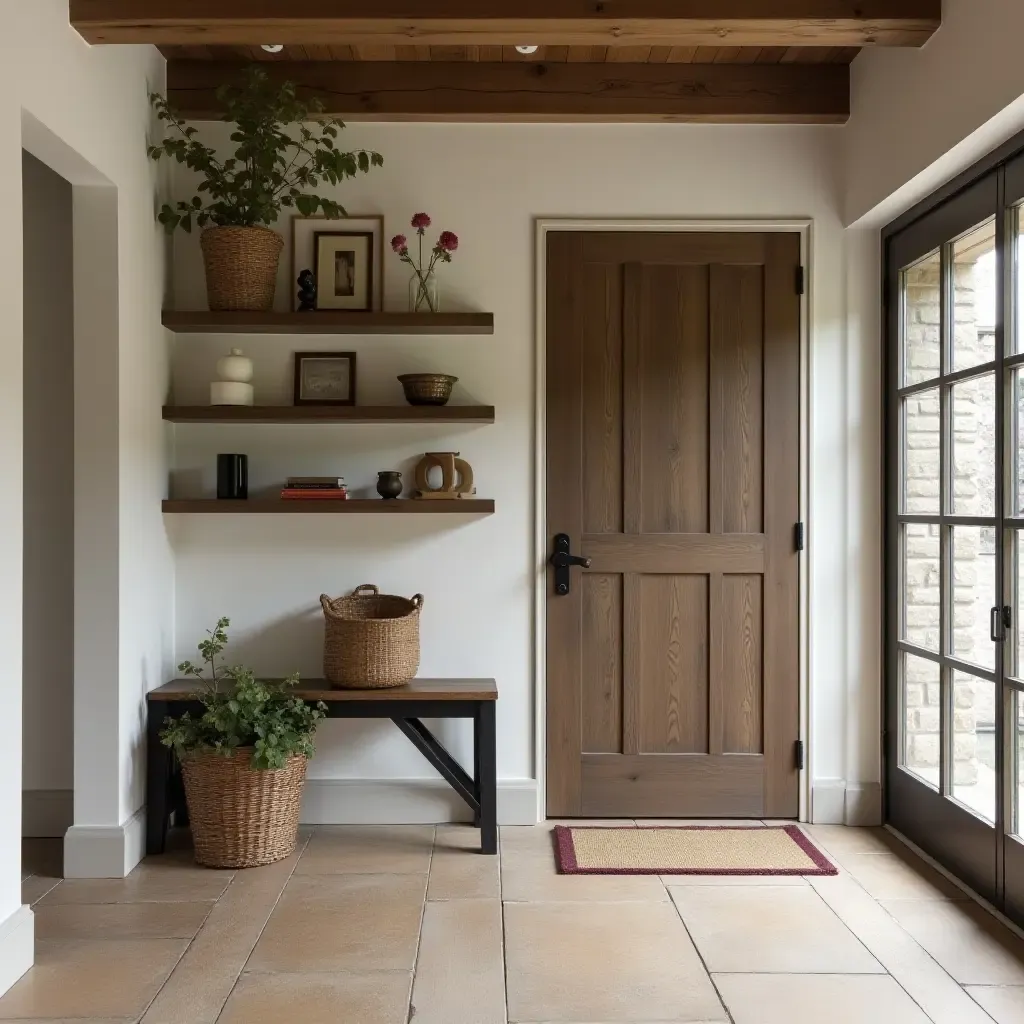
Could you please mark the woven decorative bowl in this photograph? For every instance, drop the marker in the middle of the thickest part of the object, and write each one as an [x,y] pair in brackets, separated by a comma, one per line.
[427,388]
[242,817]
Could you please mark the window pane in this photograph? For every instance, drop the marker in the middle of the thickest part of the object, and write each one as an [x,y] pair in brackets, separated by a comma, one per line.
[974,297]
[1018,271]
[1018,760]
[921,586]
[921,430]
[922,321]
[974,744]
[1016,428]
[922,724]
[974,594]
[1015,654]
[974,446]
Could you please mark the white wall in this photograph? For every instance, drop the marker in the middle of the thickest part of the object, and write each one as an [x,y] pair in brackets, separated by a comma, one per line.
[49,477]
[85,113]
[478,575]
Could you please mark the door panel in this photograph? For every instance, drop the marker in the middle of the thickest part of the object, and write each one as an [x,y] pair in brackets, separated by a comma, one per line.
[673,465]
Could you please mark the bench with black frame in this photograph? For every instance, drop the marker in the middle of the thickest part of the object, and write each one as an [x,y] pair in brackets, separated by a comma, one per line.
[406,706]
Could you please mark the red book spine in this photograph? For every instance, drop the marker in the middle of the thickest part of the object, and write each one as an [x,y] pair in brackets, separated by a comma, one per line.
[291,494]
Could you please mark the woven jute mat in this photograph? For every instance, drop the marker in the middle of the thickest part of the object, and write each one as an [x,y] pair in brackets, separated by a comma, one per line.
[688,850]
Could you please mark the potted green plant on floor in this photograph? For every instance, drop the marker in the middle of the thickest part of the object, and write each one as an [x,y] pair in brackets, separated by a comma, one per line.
[284,149]
[243,760]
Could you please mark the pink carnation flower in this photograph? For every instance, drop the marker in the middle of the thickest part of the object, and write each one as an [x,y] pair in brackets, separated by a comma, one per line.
[421,221]
[399,243]
[449,241]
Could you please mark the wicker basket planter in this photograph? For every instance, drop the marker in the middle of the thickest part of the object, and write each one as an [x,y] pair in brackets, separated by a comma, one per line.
[242,817]
[241,267]
[371,640]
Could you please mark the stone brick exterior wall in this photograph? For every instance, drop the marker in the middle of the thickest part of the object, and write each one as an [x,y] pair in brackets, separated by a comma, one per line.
[974,549]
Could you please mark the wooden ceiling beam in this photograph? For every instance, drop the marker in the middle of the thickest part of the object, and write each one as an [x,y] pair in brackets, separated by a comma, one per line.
[497,22]
[538,91]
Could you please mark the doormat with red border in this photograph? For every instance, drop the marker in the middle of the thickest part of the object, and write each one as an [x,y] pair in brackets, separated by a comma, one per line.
[688,850]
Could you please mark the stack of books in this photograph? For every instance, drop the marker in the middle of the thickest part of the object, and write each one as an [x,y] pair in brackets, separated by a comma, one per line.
[315,488]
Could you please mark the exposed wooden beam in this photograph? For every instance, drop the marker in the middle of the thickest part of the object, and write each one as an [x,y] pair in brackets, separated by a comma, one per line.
[422,91]
[497,22]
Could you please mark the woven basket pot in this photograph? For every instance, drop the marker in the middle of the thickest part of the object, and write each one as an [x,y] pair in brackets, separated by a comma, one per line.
[242,817]
[371,640]
[241,267]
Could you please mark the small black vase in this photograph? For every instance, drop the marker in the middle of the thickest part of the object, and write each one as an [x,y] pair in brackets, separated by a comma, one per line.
[232,477]
[389,483]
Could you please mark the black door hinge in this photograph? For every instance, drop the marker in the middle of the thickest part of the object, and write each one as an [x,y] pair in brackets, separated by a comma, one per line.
[798,536]
[800,283]
[798,751]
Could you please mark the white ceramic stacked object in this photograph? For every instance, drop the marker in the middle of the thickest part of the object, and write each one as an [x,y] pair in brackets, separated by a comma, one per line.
[233,388]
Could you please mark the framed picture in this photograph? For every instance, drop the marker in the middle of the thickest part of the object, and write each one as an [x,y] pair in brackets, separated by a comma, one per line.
[325,378]
[343,269]
[304,232]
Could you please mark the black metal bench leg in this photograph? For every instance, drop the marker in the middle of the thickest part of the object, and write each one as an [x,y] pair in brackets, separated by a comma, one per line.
[476,765]
[158,777]
[485,744]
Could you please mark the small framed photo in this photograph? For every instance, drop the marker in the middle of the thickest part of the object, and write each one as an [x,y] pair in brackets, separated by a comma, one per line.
[304,255]
[343,268]
[325,378]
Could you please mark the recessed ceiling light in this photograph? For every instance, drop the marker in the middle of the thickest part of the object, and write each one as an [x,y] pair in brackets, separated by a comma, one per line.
[272,47]
[527,49]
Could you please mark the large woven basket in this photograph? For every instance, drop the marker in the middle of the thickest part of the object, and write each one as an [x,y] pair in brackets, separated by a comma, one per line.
[240,816]
[371,640]
[241,267]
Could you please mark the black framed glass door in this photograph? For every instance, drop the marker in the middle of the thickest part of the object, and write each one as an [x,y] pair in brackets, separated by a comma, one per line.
[946,537]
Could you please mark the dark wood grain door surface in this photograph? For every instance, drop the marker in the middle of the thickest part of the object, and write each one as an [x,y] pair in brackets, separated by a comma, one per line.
[673,434]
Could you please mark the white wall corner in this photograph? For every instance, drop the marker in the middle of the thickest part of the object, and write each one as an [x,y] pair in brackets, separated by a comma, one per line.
[105,851]
[408,802]
[46,813]
[828,802]
[863,804]
[17,946]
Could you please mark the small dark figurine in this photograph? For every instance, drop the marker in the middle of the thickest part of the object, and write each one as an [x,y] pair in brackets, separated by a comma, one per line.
[307,291]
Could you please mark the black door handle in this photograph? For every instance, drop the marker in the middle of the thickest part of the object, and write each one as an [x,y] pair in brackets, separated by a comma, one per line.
[563,559]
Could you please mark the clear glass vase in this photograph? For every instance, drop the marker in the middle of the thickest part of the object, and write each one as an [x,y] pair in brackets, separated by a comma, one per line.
[423,293]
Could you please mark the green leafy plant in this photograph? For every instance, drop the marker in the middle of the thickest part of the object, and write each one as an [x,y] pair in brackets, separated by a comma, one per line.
[285,148]
[241,711]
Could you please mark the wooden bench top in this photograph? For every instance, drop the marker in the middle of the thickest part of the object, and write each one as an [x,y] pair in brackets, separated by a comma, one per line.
[320,689]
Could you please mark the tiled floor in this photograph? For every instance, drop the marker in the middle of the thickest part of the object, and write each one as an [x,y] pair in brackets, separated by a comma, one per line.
[409,924]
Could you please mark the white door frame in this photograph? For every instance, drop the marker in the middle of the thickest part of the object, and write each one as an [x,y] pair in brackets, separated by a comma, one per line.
[542,225]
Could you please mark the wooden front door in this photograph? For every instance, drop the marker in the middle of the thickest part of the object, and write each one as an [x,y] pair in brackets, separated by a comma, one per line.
[673,438]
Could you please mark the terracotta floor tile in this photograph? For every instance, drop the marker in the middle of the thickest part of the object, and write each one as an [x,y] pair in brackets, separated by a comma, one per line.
[202,982]
[460,970]
[458,871]
[969,943]
[83,978]
[381,997]
[769,929]
[604,962]
[1005,1005]
[371,850]
[343,923]
[814,998]
[120,920]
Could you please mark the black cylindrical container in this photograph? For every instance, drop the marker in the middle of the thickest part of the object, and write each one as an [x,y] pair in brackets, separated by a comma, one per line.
[232,476]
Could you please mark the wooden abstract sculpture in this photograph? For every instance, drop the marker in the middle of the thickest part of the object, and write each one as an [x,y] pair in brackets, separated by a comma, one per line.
[456,476]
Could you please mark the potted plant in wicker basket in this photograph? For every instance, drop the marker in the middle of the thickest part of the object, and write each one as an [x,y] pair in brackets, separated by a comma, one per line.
[284,148]
[243,761]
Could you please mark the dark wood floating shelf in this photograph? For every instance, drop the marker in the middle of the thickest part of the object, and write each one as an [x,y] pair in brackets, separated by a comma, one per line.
[329,413]
[318,506]
[326,322]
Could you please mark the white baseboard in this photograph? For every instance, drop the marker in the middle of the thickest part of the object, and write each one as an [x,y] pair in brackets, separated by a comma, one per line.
[17,946]
[837,802]
[408,802]
[105,851]
[47,813]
